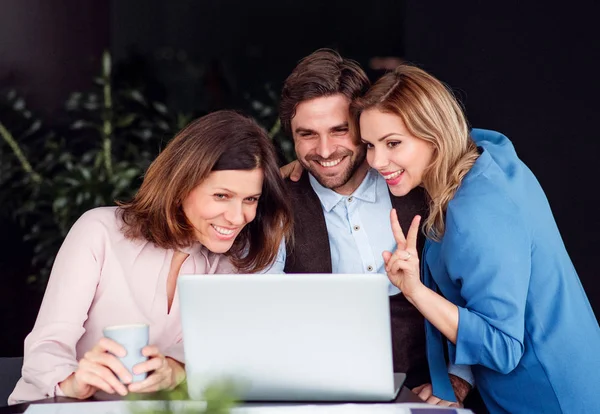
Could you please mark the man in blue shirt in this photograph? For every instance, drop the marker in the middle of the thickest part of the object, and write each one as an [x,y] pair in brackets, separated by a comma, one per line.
[342,206]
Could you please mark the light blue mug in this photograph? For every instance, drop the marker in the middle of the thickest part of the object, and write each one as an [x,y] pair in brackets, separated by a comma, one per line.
[133,338]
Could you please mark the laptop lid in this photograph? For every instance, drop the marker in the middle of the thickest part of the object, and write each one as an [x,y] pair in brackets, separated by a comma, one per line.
[300,337]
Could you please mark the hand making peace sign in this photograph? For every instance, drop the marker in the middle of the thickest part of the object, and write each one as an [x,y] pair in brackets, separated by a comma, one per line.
[402,267]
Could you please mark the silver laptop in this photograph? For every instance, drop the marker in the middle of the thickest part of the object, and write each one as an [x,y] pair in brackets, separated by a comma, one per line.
[301,337]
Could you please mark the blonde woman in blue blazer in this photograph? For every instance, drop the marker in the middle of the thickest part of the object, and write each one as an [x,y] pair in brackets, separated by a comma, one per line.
[498,286]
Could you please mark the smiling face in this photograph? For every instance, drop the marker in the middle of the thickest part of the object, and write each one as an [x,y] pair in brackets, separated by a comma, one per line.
[222,205]
[398,156]
[325,146]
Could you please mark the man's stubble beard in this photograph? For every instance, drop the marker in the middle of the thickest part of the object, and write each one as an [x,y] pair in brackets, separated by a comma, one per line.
[343,177]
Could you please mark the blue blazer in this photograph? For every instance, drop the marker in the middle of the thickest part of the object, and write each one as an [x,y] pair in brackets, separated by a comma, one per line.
[525,323]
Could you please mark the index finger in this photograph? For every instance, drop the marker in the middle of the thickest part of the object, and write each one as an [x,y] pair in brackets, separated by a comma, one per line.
[150,351]
[397,229]
[413,232]
[107,344]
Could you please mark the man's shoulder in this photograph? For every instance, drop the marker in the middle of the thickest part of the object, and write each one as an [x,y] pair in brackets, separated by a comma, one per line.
[301,187]
[292,184]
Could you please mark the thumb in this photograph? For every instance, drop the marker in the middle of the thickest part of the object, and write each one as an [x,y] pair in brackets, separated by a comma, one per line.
[297,171]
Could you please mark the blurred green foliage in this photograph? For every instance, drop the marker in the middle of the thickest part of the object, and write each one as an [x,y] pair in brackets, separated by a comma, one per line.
[219,397]
[50,176]
[264,108]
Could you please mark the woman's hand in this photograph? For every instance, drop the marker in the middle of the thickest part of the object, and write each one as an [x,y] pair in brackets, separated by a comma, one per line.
[165,372]
[425,392]
[402,267]
[98,370]
[293,170]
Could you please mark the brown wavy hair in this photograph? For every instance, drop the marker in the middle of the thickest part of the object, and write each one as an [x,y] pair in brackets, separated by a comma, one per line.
[322,73]
[430,112]
[222,140]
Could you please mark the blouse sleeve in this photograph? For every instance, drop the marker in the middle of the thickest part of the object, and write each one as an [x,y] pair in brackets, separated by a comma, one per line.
[50,349]
[175,351]
[487,248]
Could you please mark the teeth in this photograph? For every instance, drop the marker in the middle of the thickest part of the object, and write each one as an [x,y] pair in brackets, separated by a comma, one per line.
[394,175]
[330,163]
[223,231]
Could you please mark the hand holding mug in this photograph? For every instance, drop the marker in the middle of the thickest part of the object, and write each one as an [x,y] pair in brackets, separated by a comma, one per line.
[163,372]
[99,369]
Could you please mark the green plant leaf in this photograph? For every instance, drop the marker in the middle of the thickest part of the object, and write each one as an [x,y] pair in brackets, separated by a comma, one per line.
[70,162]
[59,203]
[160,108]
[80,124]
[126,120]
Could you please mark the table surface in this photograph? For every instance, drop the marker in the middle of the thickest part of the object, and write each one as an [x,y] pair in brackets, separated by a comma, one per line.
[405,395]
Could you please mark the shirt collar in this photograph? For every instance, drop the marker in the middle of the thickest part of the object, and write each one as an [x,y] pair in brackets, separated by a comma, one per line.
[366,191]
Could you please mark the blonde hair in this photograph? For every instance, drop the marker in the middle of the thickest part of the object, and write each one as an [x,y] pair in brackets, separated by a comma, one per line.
[430,112]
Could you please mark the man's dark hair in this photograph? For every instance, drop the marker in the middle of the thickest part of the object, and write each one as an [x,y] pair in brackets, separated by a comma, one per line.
[322,73]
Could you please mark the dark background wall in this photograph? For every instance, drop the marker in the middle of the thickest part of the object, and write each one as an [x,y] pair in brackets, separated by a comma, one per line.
[250,43]
[527,70]
[47,50]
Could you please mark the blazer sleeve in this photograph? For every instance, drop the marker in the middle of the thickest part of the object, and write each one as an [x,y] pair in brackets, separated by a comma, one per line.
[487,249]
[50,353]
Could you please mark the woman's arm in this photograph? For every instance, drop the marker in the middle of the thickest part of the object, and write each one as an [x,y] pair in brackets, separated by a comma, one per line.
[442,313]
[487,250]
[50,349]
[403,269]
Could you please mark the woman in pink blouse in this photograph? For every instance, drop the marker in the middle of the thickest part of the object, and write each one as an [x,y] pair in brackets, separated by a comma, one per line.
[211,202]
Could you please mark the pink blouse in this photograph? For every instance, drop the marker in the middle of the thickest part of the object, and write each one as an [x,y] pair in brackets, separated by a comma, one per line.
[100,278]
